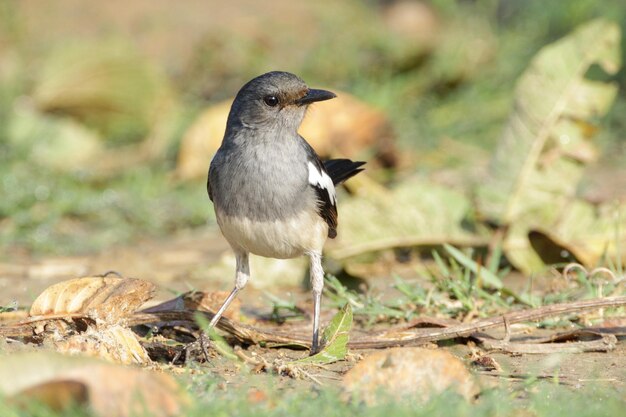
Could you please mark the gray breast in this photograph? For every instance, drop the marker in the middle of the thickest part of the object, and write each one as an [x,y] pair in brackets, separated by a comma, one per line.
[263,181]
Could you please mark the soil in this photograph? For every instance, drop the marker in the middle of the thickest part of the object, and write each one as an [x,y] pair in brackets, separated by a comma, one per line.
[180,263]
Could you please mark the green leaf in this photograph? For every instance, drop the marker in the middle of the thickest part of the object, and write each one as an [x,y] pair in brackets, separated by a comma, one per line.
[545,146]
[334,339]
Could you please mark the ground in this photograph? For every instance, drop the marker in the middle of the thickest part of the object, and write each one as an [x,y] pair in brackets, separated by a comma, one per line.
[179,264]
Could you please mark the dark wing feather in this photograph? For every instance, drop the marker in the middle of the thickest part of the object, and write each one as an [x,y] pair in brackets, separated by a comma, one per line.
[341,170]
[338,171]
[327,208]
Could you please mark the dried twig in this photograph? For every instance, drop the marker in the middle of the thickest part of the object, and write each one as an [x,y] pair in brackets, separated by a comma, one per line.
[394,337]
[465,329]
[602,342]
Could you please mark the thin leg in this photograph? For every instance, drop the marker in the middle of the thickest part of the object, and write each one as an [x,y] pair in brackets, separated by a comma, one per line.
[241,278]
[317,283]
[315,347]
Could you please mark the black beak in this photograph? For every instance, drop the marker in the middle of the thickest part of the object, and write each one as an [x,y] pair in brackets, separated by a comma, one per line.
[315,95]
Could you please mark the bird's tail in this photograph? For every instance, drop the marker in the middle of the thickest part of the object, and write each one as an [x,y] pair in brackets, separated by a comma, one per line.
[340,170]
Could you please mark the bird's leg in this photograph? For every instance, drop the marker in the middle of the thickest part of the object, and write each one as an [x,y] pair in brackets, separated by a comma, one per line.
[317,284]
[241,279]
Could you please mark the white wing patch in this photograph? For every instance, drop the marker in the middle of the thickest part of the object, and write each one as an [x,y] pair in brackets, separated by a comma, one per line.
[321,180]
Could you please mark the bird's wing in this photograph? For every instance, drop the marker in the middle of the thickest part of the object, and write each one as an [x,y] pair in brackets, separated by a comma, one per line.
[324,188]
[208,184]
[341,170]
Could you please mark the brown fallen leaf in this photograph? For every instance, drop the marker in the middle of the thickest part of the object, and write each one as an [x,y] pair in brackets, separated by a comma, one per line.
[87,316]
[409,374]
[111,390]
[103,299]
[57,395]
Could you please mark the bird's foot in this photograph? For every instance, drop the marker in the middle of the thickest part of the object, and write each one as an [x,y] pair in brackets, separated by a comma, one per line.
[201,344]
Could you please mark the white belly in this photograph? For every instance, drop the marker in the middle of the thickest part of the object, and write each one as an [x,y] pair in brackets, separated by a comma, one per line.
[290,238]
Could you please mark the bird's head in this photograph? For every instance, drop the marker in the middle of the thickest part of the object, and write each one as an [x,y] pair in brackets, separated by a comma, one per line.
[274,100]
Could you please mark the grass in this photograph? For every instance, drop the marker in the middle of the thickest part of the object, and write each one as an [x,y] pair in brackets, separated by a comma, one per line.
[455,286]
[263,397]
[50,213]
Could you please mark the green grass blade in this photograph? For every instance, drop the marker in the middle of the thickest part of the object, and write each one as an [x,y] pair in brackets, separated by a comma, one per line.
[487,276]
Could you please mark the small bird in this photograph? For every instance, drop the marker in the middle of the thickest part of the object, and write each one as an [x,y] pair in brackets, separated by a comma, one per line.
[272,194]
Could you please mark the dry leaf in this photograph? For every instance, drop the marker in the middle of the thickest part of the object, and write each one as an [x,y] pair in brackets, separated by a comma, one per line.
[112,390]
[103,299]
[115,344]
[541,156]
[409,374]
[57,395]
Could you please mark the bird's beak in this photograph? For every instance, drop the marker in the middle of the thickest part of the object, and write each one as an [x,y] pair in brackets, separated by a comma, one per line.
[314,95]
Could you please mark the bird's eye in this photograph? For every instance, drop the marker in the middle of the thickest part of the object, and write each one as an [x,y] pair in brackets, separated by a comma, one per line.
[270,100]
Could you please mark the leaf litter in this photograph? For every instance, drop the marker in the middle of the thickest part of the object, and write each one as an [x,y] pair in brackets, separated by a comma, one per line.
[99,315]
[68,318]
[70,324]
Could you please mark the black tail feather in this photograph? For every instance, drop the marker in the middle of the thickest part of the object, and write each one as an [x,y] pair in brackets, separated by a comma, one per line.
[340,170]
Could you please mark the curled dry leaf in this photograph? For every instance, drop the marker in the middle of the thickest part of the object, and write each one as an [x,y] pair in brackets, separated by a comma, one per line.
[106,300]
[111,390]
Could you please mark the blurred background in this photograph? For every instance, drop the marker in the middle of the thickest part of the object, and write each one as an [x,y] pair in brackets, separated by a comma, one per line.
[109,111]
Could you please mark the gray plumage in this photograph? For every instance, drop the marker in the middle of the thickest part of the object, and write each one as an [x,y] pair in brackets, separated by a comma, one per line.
[270,168]
[271,193]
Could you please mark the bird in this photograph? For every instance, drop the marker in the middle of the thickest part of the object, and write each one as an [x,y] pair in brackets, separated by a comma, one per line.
[272,194]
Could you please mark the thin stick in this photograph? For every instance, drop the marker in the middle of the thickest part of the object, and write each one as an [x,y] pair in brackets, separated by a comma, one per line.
[253,335]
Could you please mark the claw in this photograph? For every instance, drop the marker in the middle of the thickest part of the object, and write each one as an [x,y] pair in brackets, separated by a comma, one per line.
[202,343]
